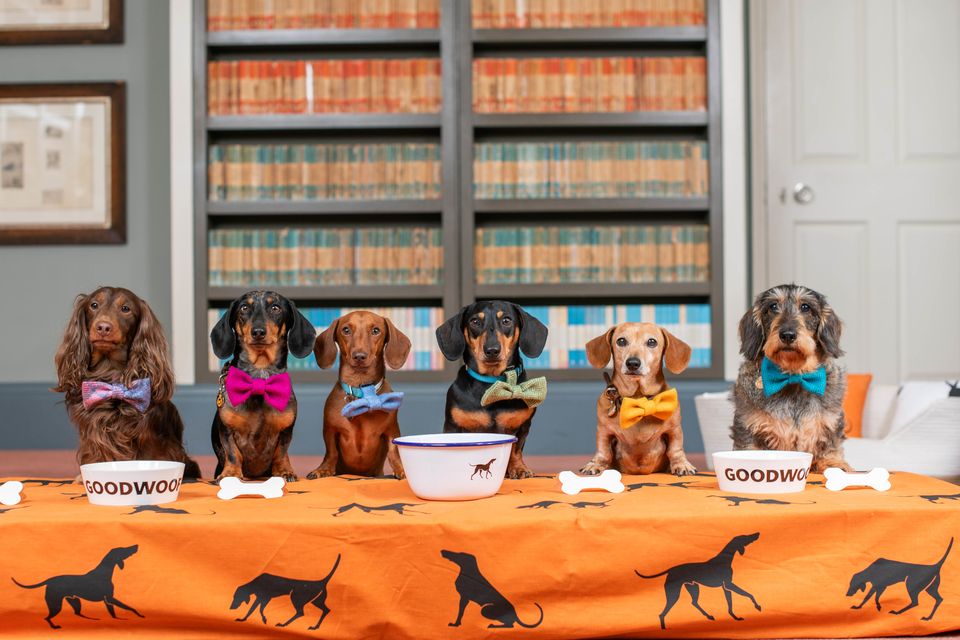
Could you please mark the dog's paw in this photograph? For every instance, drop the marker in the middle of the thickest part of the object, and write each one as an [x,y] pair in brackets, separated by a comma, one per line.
[321,472]
[289,476]
[682,468]
[519,472]
[399,474]
[593,468]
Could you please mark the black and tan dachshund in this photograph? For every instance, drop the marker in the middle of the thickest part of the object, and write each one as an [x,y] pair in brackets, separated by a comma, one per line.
[715,572]
[257,408]
[473,587]
[489,336]
[266,586]
[883,573]
[95,586]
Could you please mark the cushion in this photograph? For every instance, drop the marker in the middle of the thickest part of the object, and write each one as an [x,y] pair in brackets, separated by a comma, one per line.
[914,398]
[853,401]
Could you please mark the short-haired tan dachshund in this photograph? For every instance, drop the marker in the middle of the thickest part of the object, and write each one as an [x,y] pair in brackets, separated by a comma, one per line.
[638,414]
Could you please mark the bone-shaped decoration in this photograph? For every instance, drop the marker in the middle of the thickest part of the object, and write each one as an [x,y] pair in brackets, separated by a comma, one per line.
[838,479]
[10,492]
[231,488]
[572,484]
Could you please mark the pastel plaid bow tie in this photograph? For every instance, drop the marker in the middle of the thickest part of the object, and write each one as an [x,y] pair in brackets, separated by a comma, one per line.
[372,402]
[660,406]
[532,391]
[136,395]
[276,389]
[774,379]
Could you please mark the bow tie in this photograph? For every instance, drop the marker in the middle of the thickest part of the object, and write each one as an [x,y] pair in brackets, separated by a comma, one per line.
[774,379]
[136,395]
[369,400]
[276,390]
[532,391]
[660,406]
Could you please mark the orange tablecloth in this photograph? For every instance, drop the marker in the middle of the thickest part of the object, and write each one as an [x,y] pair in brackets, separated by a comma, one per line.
[404,566]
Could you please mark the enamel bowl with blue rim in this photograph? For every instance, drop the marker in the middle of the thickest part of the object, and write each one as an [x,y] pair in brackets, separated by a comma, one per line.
[455,466]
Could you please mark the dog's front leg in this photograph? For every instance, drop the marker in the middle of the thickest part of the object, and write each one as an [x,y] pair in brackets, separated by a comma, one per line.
[329,465]
[281,460]
[679,465]
[729,597]
[516,467]
[393,457]
[869,595]
[464,601]
[603,458]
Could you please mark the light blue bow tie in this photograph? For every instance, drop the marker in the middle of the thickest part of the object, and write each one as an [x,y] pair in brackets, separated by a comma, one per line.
[774,379]
[370,401]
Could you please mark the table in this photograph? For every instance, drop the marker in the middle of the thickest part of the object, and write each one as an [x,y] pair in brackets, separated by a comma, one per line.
[566,566]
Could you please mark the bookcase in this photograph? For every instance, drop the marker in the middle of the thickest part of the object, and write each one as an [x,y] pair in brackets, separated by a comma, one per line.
[461,217]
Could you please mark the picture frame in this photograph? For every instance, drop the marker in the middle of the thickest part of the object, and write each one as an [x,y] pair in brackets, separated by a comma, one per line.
[63,163]
[30,22]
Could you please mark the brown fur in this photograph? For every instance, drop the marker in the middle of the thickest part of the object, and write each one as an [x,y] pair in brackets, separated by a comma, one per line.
[120,340]
[651,445]
[367,343]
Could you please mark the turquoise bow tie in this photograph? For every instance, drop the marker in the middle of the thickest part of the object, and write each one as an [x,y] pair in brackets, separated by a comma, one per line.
[774,379]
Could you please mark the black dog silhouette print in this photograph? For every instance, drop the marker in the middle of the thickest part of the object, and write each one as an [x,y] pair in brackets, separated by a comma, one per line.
[715,572]
[543,504]
[482,469]
[402,508]
[936,498]
[736,501]
[883,573]
[473,587]
[95,586]
[266,586]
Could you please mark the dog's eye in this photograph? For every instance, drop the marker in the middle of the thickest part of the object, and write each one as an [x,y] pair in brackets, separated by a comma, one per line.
[506,321]
[621,342]
[474,322]
[275,308]
[651,343]
[346,331]
[244,307]
[125,309]
[805,307]
[774,307]
[94,305]
[376,331]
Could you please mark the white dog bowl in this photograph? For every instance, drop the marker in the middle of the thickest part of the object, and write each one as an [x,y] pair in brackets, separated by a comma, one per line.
[762,471]
[455,466]
[132,482]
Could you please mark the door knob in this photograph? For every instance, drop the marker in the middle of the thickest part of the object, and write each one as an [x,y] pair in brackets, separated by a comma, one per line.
[802,193]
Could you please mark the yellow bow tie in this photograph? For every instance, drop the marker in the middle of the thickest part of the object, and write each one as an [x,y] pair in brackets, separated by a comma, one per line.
[660,406]
[532,391]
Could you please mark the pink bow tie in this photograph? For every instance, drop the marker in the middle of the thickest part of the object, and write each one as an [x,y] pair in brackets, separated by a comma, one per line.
[137,394]
[276,389]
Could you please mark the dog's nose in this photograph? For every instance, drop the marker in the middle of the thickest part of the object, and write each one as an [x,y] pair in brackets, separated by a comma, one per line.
[258,332]
[633,364]
[492,351]
[787,336]
[104,328]
[359,356]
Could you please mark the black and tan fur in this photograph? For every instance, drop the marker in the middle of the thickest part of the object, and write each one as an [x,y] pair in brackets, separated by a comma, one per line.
[796,329]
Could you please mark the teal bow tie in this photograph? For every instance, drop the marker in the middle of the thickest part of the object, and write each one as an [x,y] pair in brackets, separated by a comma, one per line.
[774,379]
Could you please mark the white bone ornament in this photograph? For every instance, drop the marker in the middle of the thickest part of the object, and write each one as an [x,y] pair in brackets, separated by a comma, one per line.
[572,484]
[10,492]
[838,479]
[231,488]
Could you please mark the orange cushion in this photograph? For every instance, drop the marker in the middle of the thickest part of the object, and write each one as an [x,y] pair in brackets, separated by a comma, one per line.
[853,401]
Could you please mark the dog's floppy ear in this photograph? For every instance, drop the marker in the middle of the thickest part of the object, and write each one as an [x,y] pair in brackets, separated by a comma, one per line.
[222,338]
[828,332]
[397,346]
[450,337]
[325,346]
[149,356]
[73,354]
[751,335]
[300,333]
[676,353]
[533,334]
[599,351]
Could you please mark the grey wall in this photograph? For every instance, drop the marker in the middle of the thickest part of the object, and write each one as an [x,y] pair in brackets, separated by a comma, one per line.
[38,284]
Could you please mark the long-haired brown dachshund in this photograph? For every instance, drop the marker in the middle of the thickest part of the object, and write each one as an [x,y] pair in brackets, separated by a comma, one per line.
[789,393]
[360,415]
[113,370]
[257,408]
[638,416]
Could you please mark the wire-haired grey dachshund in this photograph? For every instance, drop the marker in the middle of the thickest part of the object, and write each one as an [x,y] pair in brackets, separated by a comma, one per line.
[789,393]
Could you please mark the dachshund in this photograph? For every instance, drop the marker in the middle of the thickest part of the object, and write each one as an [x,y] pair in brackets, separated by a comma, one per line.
[257,408]
[113,370]
[267,586]
[358,432]
[474,587]
[789,392]
[489,336]
[650,439]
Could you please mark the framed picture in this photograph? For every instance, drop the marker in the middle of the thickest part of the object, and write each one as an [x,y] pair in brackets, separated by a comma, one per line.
[61,21]
[62,163]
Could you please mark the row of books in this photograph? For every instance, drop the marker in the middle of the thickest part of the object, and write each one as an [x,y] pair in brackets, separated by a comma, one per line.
[367,85]
[313,256]
[226,15]
[590,169]
[592,254]
[375,171]
[570,328]
[525,14]
[589,85]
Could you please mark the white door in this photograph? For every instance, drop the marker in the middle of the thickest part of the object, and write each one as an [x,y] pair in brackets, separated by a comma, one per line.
[863,173]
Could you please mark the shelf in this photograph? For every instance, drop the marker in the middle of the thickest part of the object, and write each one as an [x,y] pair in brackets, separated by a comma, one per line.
[593,290]
[596,375]
[329,376]
[321,37]
[631,119]
[372,294]
[589,205]
[298,122]
[266,208]
[633,35]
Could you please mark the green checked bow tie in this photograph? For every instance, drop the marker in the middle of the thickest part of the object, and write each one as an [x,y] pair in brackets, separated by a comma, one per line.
[531,392]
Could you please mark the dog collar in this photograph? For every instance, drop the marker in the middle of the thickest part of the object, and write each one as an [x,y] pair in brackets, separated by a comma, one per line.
[491,379]
[357,392]
[774,379]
